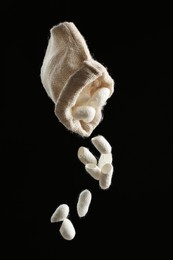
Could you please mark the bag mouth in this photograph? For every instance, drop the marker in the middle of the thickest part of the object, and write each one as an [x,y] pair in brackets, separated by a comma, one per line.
[78,90]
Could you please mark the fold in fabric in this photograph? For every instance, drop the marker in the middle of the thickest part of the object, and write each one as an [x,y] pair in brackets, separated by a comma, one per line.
[78,85]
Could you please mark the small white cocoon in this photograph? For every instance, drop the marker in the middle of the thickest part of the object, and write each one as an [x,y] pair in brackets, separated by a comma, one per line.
[99,97]
[60,213]
[85,156]
[83,203]
[93,170]
[105,158]
[84,113]
[67,229]
[101,144]
[106,176]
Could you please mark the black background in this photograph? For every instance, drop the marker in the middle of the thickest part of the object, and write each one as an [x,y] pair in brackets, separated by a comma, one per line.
[134,41]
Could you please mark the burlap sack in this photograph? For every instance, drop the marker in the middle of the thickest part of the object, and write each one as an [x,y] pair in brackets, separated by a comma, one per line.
[74,80]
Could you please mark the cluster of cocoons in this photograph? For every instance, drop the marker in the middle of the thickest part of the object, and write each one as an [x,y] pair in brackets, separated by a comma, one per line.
[101,169]
[86,112]
[67,229]
[61,214]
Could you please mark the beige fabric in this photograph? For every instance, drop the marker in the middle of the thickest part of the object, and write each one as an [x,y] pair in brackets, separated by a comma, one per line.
[72,79]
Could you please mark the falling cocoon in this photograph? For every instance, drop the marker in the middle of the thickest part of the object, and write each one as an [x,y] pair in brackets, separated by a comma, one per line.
[85,156]
[101,144]
[84,113]
[67,229]
[105,158]
[83,203]
[106,176]
[60,213]
[93,170]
